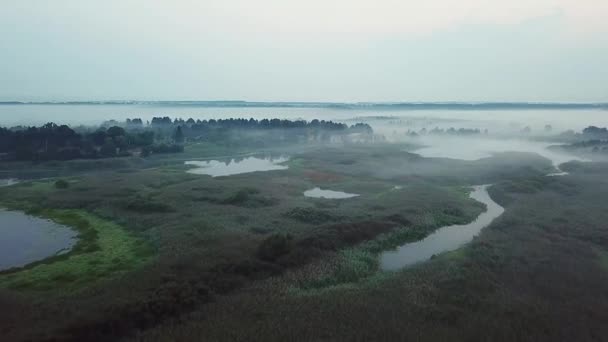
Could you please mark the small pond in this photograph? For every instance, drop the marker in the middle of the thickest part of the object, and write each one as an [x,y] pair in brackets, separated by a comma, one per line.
[217,168]
[330,194]
[25,239]
[444,239]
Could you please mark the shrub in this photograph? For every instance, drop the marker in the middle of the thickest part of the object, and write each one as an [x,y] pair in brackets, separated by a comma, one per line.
[62,184]
[145,205]
[275,246]
[248,197]
[310,215]
[239,197]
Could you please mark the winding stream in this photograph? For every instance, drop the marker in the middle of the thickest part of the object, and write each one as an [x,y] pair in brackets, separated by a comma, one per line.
[444,239]
[449,238]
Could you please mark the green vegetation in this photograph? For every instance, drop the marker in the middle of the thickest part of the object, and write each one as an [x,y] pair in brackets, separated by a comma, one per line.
[275,246]
[537,274]
[146,205]
[62,184]
[229,250]
[311,215]
[103,249]
[162,135]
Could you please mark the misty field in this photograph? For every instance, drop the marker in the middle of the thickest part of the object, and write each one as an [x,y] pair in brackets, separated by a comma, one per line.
[170,255]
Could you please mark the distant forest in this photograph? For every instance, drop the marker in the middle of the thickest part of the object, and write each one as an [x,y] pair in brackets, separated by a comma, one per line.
[160,135]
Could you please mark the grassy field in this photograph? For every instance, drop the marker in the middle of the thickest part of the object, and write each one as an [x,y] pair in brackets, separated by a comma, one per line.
[193,248]
[538,273]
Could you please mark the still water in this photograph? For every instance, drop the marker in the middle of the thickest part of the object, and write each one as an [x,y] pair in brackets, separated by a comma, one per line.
[444,239]
[26,239]
[217,168]
[330,194]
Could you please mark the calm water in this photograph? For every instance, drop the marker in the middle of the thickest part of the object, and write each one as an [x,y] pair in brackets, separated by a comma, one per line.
[444,239]
[26,239]
[216,168]
[320,193]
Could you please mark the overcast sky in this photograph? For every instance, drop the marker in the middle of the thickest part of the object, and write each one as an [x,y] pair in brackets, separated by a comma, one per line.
[309,50]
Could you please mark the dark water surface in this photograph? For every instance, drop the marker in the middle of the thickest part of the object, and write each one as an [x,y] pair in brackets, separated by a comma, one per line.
[25,239]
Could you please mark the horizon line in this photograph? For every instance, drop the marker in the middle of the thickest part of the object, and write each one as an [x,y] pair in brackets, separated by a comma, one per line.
[472,105]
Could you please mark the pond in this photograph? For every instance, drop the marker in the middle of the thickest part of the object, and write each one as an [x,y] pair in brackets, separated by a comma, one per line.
[25,239]
[444,239]
[217,168]
[330,194]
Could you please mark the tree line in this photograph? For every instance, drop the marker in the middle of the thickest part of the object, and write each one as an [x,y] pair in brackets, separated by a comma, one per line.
[160,135]
[60,142]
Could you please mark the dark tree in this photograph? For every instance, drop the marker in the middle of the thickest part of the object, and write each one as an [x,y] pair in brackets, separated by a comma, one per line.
[178,136]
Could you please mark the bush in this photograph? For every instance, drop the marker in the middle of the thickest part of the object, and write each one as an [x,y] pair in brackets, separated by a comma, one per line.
[310,215]
[248,197]
[275,246]
[240,197]
[145,205]
[62,184]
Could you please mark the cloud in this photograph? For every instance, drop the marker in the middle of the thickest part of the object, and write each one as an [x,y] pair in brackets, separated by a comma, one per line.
[183,20]
[383,17]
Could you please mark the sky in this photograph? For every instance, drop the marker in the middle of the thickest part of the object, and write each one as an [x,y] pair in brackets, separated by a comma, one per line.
[313,50]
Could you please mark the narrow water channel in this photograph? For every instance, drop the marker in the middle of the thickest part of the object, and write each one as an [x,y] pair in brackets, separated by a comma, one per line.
[444,239]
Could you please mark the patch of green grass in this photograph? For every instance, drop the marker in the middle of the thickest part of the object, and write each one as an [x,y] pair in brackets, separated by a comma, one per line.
[602,256]
[104,249]
[310,215]
[295,163]
[146,205]
[355,264]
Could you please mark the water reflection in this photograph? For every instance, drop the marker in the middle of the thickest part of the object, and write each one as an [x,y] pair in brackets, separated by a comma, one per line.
[320,193]
[26,239]
[217,168]
[444,239]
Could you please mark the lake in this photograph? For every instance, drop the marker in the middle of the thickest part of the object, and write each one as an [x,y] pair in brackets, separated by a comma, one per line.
[26,239]
[234,166]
